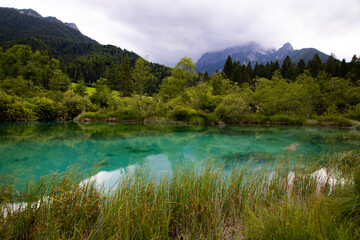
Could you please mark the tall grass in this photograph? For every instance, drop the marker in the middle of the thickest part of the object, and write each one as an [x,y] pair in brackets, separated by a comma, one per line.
[205,202]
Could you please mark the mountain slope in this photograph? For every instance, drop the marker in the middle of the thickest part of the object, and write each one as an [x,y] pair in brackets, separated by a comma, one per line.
[253,52]
[62,40]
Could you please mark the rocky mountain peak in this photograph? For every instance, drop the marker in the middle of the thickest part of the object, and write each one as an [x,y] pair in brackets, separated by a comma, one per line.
[30,12]
[285,50]
[254,53]
[35,14]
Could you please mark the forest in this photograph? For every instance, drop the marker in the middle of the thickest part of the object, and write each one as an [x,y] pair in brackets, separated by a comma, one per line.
[34,86]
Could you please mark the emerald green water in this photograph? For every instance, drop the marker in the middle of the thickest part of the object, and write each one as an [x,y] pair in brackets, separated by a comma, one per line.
[32,150]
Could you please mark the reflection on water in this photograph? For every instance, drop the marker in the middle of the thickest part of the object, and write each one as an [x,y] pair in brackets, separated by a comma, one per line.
[31,150]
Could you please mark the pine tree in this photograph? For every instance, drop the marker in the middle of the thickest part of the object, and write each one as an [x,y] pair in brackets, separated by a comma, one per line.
[301,66]
[228,69]
[315,65]
[332,65]
[288,69]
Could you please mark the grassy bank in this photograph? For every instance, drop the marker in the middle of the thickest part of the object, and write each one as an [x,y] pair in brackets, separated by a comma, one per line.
[290,202]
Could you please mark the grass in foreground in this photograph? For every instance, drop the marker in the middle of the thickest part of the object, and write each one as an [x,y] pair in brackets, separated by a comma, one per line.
[205,203]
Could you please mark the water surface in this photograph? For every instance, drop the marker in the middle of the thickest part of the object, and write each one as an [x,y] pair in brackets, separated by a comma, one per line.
[32,150]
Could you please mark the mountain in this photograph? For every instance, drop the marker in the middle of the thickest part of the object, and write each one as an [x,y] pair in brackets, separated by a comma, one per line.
[254,52]
[33,13]
[79,55]
[63,40]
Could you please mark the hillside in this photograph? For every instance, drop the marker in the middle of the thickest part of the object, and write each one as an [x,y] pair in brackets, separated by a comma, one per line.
[254,52]
[79,54]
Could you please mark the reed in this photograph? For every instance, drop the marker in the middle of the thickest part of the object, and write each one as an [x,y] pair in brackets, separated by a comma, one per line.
[201,202]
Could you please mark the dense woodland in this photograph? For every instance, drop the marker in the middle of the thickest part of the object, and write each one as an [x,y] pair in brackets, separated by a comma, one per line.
[35,86]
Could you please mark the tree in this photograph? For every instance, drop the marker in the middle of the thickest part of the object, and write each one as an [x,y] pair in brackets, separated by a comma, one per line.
[185,69]
[315,65]
[172,87]
[126,84]
[141,75]
[228,69]
[301,66]
[288,69]
[332,65]
[59,81]
[205,77]
[103,94]
[80,88]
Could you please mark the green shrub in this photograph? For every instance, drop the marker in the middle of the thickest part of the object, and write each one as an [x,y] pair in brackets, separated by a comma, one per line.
[13,109]
[20,111]
[353,113]
[333,120]
[287,119]
[180,113]
[46,109]
[231,109]
[72,105]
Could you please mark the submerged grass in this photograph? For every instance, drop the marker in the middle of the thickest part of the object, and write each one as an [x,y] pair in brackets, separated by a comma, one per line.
[290,202]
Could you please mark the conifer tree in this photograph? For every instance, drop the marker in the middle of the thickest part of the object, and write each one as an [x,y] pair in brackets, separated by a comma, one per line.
[301,66]
[315,65]
[288,69]
[228,68]
[126,80]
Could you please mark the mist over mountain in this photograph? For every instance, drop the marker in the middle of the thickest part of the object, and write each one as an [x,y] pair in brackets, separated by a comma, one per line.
[253,52]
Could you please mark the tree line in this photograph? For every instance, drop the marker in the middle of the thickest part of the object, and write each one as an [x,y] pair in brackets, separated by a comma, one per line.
[241,73]
[34,86]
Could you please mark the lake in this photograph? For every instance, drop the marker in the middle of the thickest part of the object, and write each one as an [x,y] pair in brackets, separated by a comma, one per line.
[106,151]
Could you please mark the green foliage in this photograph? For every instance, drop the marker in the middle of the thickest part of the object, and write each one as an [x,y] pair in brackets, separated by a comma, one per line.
[13,109]
[141,75]
[201,97]
[46,109]
[102,95]
[221,86]
[185,70]
[72,105]
[171,87]
[228,69]
[231,109]
[180,113]
[80,88]
[287,119]
[59,81]
[17,86]
[353,112]
[200,202]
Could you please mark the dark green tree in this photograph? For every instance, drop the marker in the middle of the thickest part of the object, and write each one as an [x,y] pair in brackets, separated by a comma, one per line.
[315,65]
[332,66]
[301,66]
[228,69]
[126,84]
[288,69]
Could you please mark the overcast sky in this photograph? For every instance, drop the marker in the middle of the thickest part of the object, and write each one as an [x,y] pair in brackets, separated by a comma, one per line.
[166,30]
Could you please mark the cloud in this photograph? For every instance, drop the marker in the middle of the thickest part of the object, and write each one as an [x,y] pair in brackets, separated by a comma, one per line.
[166,30]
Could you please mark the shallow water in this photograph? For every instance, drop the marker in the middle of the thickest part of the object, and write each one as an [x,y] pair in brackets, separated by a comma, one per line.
[32,150]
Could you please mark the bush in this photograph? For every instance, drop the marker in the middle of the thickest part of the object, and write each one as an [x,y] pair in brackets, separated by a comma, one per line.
[287,119]
[20,111]
[333,120]
[73,104]
[231,109]
[180,113]
[46,109]
[353,113]
[13,109]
